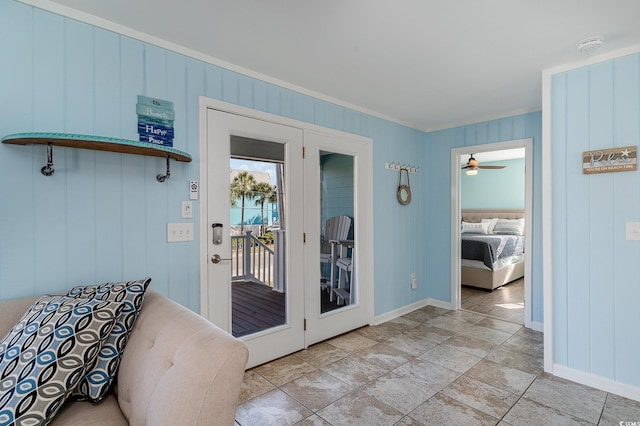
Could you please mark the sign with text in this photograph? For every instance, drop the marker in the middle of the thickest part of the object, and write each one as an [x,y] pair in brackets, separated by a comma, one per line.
[623,159]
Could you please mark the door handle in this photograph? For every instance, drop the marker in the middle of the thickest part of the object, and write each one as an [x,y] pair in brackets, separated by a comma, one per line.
[217,259]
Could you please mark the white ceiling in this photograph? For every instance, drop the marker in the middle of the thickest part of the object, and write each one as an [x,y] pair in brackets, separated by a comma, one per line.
[491,156]
[428,63]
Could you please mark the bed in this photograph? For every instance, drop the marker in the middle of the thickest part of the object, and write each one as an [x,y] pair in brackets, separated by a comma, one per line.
[492,260]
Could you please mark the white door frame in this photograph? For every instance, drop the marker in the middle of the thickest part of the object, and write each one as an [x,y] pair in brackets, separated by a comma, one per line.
[365,254]
[456,250]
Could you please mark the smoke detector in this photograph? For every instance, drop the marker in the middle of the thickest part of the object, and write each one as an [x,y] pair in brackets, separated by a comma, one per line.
[589,44]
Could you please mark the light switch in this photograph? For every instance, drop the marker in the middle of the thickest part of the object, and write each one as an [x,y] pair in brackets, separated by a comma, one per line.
[179,232]
[633,231]
[187,209]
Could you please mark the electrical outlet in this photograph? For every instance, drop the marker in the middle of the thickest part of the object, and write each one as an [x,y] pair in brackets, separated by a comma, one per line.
[414,281]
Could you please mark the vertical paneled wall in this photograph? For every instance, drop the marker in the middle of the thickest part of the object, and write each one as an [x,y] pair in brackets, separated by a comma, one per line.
[595,273]
[103,216]
[437,248]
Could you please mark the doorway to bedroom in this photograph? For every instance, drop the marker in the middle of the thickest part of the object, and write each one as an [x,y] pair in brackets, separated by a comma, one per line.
[490,251]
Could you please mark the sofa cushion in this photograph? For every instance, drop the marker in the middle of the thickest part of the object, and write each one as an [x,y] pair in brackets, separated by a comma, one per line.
[82,413]
[48,352]
[99,380]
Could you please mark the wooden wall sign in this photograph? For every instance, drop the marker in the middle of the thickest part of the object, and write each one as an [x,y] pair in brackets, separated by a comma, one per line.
[623,159]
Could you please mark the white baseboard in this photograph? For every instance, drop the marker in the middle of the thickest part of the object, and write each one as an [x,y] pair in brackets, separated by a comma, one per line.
[439,304]
[598,382]
[537,326]
[410,308]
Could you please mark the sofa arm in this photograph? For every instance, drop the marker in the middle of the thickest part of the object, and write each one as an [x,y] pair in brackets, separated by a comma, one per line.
[11,311]
[178,368]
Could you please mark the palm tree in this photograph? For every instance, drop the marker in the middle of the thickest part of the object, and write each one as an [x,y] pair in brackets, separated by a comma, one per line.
[264,192]
[242,186]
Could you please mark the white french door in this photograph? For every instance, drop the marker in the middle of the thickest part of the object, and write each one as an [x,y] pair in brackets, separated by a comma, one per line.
[337,182]
[239,254]
[333,178]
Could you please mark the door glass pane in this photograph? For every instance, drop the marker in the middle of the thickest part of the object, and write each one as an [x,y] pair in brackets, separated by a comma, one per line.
[337,239]
[258,252]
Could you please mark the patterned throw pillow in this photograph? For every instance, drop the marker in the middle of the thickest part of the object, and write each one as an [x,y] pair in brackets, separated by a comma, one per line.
[47,353]
[96,385]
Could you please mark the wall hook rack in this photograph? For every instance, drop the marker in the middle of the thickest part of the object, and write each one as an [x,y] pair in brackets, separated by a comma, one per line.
[401,166]
[99,143]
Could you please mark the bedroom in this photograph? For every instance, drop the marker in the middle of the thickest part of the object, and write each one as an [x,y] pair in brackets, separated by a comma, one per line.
[492,186]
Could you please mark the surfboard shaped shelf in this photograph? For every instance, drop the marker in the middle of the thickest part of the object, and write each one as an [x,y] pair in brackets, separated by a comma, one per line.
[98,143]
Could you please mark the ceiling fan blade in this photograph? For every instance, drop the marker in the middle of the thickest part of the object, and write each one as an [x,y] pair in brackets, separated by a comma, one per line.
[491,167]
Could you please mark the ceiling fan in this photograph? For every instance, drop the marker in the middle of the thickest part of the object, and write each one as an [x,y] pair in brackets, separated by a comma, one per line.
[473,164]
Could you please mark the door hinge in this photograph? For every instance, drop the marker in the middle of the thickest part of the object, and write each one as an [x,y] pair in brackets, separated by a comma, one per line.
[303,153]
[305,324]
[304,237]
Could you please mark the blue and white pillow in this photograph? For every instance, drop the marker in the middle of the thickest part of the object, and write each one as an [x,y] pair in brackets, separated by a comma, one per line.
[98,381]
[47,353]
[509,227]
[474,228]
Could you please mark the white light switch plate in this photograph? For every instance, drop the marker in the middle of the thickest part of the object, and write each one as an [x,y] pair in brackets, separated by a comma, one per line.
[187,209]
[633,231]
[179,232]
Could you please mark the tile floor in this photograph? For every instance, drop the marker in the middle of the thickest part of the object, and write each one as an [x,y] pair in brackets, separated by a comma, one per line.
[506,302]
[429,367]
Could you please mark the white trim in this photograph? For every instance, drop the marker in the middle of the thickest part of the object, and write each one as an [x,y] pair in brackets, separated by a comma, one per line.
[598,382]
[203,188]
[174,47]
[537,326]
[527,143]
[388,316]
[440,304]
[590,61]
[547,246]
[482,119]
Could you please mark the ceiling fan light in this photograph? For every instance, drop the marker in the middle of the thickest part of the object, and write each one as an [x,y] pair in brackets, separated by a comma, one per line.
[472,172]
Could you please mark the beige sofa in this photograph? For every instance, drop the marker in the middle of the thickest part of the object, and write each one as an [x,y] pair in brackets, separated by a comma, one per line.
[177,369]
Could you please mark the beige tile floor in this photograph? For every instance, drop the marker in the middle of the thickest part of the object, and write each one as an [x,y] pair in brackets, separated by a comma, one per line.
[429,367]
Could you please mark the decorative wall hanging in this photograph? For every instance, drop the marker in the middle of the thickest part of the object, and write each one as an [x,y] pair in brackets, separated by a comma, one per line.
[404,191]
[623,159]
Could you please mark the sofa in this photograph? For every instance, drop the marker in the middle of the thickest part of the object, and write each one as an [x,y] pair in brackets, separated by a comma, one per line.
[177,369]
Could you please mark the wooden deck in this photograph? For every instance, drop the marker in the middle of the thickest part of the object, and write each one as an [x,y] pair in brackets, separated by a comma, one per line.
[255,307]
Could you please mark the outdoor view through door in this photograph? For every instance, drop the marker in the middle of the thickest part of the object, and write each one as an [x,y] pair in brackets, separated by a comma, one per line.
[337,242]
[257,228]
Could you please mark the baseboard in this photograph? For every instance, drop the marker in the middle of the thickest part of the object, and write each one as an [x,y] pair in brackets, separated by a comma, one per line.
[598,382]
[387,316]
[439,304]
[537,326]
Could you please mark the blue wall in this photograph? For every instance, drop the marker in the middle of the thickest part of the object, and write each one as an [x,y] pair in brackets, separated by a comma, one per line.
[494,189]
[595,269]
[102,216]
[437,211]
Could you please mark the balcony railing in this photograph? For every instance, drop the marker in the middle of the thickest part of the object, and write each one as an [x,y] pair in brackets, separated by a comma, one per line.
[254,261]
